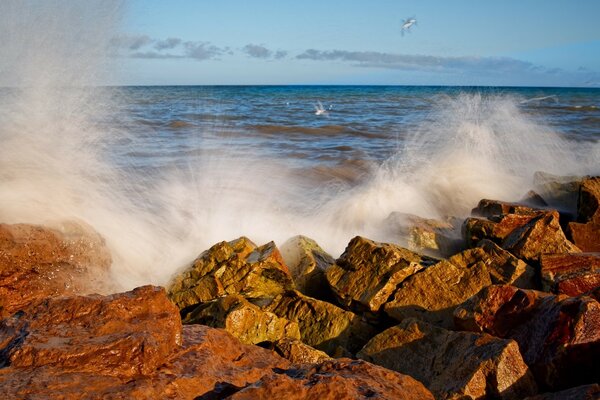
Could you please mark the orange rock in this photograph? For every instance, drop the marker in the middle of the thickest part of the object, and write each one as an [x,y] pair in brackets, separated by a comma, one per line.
[570,274]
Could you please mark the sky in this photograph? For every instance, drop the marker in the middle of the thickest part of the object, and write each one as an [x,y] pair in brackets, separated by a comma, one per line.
[459,42]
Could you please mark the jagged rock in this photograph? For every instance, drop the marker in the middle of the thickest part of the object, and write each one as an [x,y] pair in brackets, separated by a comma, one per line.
[243,320]
[586,231]
[433,293]
[533,199]
[585,392]
[496,230]
[336,380]
[504,268]
[298,352]
[38,262]
[559,336]
[368,273]
[236,267]
[307,263]
[451,364]
[322,325]
[570,274]
[489,208]
[542,234]
[122,335]
[558,190]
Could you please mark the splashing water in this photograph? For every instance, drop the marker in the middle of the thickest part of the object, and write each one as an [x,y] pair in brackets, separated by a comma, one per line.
[55,159]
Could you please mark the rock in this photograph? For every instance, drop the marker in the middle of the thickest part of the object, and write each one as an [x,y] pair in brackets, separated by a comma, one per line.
[38,262]
[121,335]
[559,336]
[570,274]
[236,267]
[336,380]
[297,352]
[433,293]
[243,320]
[586,231]
[542,234]
[307,263]
[322,325]
[452,364]
[585,392]
[558,190]
[504,268]
[368,273]
[496,230]
[533,199]
[489,208]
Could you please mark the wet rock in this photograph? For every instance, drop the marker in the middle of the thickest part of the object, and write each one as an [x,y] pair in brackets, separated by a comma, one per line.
[533,199]
[540,235]
[298,352]
[122,335]
[504,268]
[489,208]
[586,231]
[236,267]
[368,273]
[570,274]
[558,190]
[495,229]
[585,392]
[323,326]
[336,380]
[307,263]
[243,320]
[38,262]
[433,293]
[559,336]
[452,364]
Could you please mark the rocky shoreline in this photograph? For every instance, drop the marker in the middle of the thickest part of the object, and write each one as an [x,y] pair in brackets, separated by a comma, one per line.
[501,305]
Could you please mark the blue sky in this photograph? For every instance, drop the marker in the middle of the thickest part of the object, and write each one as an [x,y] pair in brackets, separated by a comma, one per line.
[468,42]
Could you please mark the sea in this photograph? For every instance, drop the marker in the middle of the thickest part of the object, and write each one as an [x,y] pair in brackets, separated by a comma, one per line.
[165,172]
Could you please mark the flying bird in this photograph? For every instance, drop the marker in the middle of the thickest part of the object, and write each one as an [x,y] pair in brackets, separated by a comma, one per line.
[320,110]
[407,24]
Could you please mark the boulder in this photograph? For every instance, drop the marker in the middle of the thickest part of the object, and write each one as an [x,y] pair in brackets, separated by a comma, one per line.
[323,326]
[336,380]
[307,263]
[585,233]
[560,191]
[236,267]
[452,364]
[540,235]
[585,392]
[559,336]
[368,273]
[243,320]
[489,208]
[504,268]
[39,262]
[570,274]
[298,352]
[495,229]
[533,199]
[585,236]
[121,335]
[433,293]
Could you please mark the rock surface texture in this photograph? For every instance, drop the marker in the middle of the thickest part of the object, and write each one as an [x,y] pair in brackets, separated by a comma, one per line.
[586,231]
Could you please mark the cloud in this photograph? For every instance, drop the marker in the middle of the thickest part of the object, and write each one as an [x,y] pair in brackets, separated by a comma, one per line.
[154,55]
[130,42]
[260,51]
[167,44]
[203,50]
[375,59]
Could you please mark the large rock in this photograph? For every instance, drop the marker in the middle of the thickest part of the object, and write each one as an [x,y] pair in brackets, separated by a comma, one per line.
[38,262]
[542,234]
[585,392]
[433,293]
[336,380]
[307,263]
[368,273]
[571,274]
[586,231]
[451,364]
[236,267]
[504,268]
[122,335]
[322,325]
[560,191]
[297,352]
[489,208]
[495,229]
[243,320]
[559,336]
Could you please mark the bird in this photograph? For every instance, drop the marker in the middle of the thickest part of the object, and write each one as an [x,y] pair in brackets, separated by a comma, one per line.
[320,110]
[407,24]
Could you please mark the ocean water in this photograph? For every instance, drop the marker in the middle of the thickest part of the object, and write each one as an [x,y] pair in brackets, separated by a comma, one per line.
[165,172]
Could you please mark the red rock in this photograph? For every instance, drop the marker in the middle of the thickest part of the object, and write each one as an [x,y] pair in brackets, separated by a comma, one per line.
[489,208]
[570,274]
[542,234]
[585,236]
[496,230]
[559,336]
[336,380]
[588,203]
[38,262]
[124,335]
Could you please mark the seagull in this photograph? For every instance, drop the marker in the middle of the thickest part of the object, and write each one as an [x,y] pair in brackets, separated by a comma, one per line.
[407,24]
[320,110]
